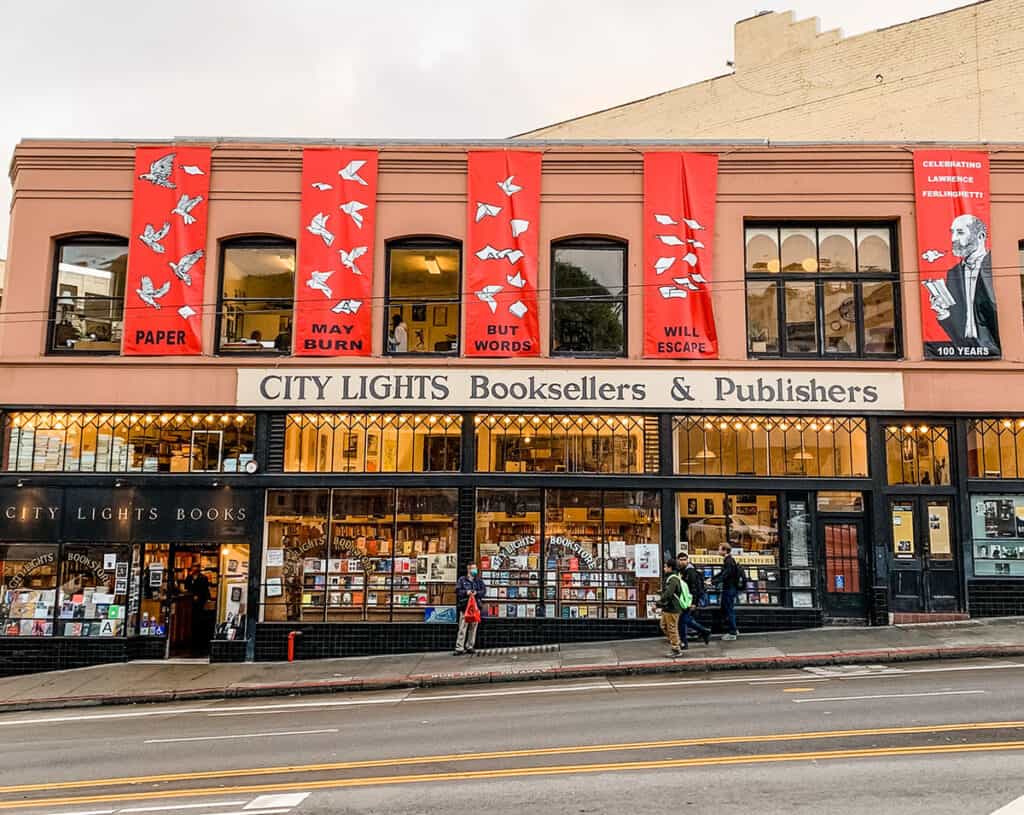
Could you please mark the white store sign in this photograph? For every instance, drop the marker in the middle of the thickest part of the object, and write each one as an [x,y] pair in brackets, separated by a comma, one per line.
[550,389]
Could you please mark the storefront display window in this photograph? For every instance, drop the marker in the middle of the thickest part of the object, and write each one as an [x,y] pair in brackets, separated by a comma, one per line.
[129,442]
[545,443]
[799,558]
[508,551]
[917,455]
[93,598]
[28,589]
[372,443]
[997,529]
[798,446]
[995,448]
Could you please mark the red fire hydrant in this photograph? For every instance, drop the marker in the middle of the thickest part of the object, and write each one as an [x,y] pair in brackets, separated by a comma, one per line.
[291,644]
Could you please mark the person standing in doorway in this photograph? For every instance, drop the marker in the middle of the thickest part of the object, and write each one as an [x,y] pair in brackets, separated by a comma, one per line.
[729,581]
[469,585]
[695,583]
[674,598]
[399,334]
[197,585]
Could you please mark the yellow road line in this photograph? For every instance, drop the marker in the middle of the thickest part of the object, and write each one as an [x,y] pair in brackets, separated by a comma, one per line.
[527,753]
[558,769]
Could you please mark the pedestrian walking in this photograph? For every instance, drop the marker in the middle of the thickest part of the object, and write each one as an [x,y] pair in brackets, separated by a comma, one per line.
[470,585]
[695,583]
[675,596]
[730,581]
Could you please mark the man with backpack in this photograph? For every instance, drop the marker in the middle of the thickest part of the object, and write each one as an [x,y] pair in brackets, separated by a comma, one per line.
[695,583]
[730,580]
[675,596]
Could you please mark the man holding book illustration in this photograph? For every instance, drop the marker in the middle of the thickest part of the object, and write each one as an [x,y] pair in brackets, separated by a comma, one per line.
[965,305]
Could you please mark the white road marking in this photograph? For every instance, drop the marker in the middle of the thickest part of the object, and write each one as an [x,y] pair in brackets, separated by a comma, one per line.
[1015,807]
[282,800]
[242,812]
[86,812]
[166,808]
[888,696]
[249,710]
[243,736]
[96,717]
[668,682]
[526,692]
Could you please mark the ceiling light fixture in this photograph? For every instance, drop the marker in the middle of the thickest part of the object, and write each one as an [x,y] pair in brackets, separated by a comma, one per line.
[433,267]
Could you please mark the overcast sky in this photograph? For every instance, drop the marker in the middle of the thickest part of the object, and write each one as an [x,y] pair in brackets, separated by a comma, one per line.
[360,68]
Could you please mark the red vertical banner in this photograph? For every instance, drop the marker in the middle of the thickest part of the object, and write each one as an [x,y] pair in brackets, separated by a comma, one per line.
[163,301]
[958,300]
[502,245]
[679,233]
[334,284]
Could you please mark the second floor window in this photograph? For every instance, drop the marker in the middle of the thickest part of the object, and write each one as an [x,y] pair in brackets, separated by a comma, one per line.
[825,290]
[588,298]
[88,307]
[422,306]
[257,291]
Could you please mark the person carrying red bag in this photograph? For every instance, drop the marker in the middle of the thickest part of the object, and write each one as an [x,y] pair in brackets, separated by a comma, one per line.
[469,593]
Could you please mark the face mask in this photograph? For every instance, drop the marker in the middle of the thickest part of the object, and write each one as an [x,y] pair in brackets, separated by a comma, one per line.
[472,572]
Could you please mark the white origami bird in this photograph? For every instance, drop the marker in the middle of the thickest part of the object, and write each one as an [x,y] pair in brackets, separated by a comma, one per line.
[516,280]
[665,220]
[932,255]
[354,210]
[185,206]
[662,265]
[489,253]
[668,292]
[318,226]
[348,259]
[191,169]
[320,185]
[186,312]
[690,258]
[152,237]
[347,307]
[519,226]
[350,172]
[149,295]
[696,244]
[318,282]
[182,267]
[671,240]
[483,210]
[487,294]
[685,281]
[160,172]
[698,277]
[692,223]
[512,255]
[518,308]
[508,186]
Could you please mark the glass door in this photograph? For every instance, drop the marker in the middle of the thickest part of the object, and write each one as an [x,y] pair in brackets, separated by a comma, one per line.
[941,583]
[924,575]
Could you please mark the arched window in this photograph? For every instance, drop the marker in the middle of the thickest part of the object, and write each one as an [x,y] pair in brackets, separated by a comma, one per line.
[87,313]
[424,279]
[588,298]
[257,294]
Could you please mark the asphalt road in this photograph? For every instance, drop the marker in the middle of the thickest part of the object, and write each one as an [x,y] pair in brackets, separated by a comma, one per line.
[925,738]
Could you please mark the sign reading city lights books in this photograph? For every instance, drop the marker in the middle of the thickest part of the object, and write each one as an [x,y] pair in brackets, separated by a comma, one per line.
[502,246]
[954,244]
[679,231]
[334,280]
[535,389]
[167,253]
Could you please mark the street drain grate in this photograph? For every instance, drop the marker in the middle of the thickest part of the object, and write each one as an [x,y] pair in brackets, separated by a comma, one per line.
[523,649]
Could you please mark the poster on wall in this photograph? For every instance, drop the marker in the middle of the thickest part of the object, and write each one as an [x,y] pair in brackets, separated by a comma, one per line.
[501,255]
[163,301]
[648,563]
[679,233]
[958,300]
[334,280]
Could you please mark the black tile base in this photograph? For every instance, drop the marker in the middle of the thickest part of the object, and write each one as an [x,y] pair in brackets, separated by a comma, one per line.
[879,613]
[227,651]
[995,598]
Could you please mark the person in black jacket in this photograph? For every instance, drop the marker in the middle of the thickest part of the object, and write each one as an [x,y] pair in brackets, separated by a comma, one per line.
[728,580]
[695,581]
[469,585]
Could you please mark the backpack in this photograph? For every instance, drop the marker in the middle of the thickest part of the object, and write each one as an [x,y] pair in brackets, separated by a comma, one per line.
[685,598]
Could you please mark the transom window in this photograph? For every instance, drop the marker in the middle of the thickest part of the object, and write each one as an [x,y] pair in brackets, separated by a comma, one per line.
[917,454]
[588,298]
[422,303]
[257,293]
[995,448]
[87,313]
[822,290]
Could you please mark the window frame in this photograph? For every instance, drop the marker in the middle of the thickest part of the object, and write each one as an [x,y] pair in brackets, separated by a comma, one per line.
[260,241]
[602,244]
[818,278]
[426,242]
[81,239]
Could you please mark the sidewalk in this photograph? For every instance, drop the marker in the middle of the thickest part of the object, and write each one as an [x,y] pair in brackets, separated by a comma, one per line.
[150,681]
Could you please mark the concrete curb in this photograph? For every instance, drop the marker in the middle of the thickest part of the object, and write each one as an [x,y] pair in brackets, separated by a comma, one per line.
[663,666]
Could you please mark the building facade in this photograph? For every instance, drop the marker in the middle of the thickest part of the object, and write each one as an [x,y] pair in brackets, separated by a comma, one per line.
[340,498]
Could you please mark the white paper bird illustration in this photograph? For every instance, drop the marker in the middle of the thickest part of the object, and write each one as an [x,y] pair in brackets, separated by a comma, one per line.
[186,312]
[698,277]
[690,258]
[662,265]
[516,280]
[318,282]
[487,294]
[519,226]
[318,226]
[489,253]
[696,244]
[354,210]
[350,172]
[191,169]
[668,292]
[320,185]
[932,255]
[508,186]
[348,259]
[347,307]
[160,172]
[182,268]
[513,256]
[149,295]
[665,220]
[152,237]
[185,206]
[483,210]
[692,223]
[686,283]
[671,240]
[518,308]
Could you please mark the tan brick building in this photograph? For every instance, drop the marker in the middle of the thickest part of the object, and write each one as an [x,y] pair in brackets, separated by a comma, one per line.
[951,76]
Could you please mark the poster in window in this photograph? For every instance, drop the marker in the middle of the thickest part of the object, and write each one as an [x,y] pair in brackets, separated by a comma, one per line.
[334,280]
[502,258]
[954,254]
[163,301]
[679,233]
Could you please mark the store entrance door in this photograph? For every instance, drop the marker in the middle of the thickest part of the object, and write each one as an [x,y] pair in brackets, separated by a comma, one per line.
[194,581]
[844,557]
[924,576]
